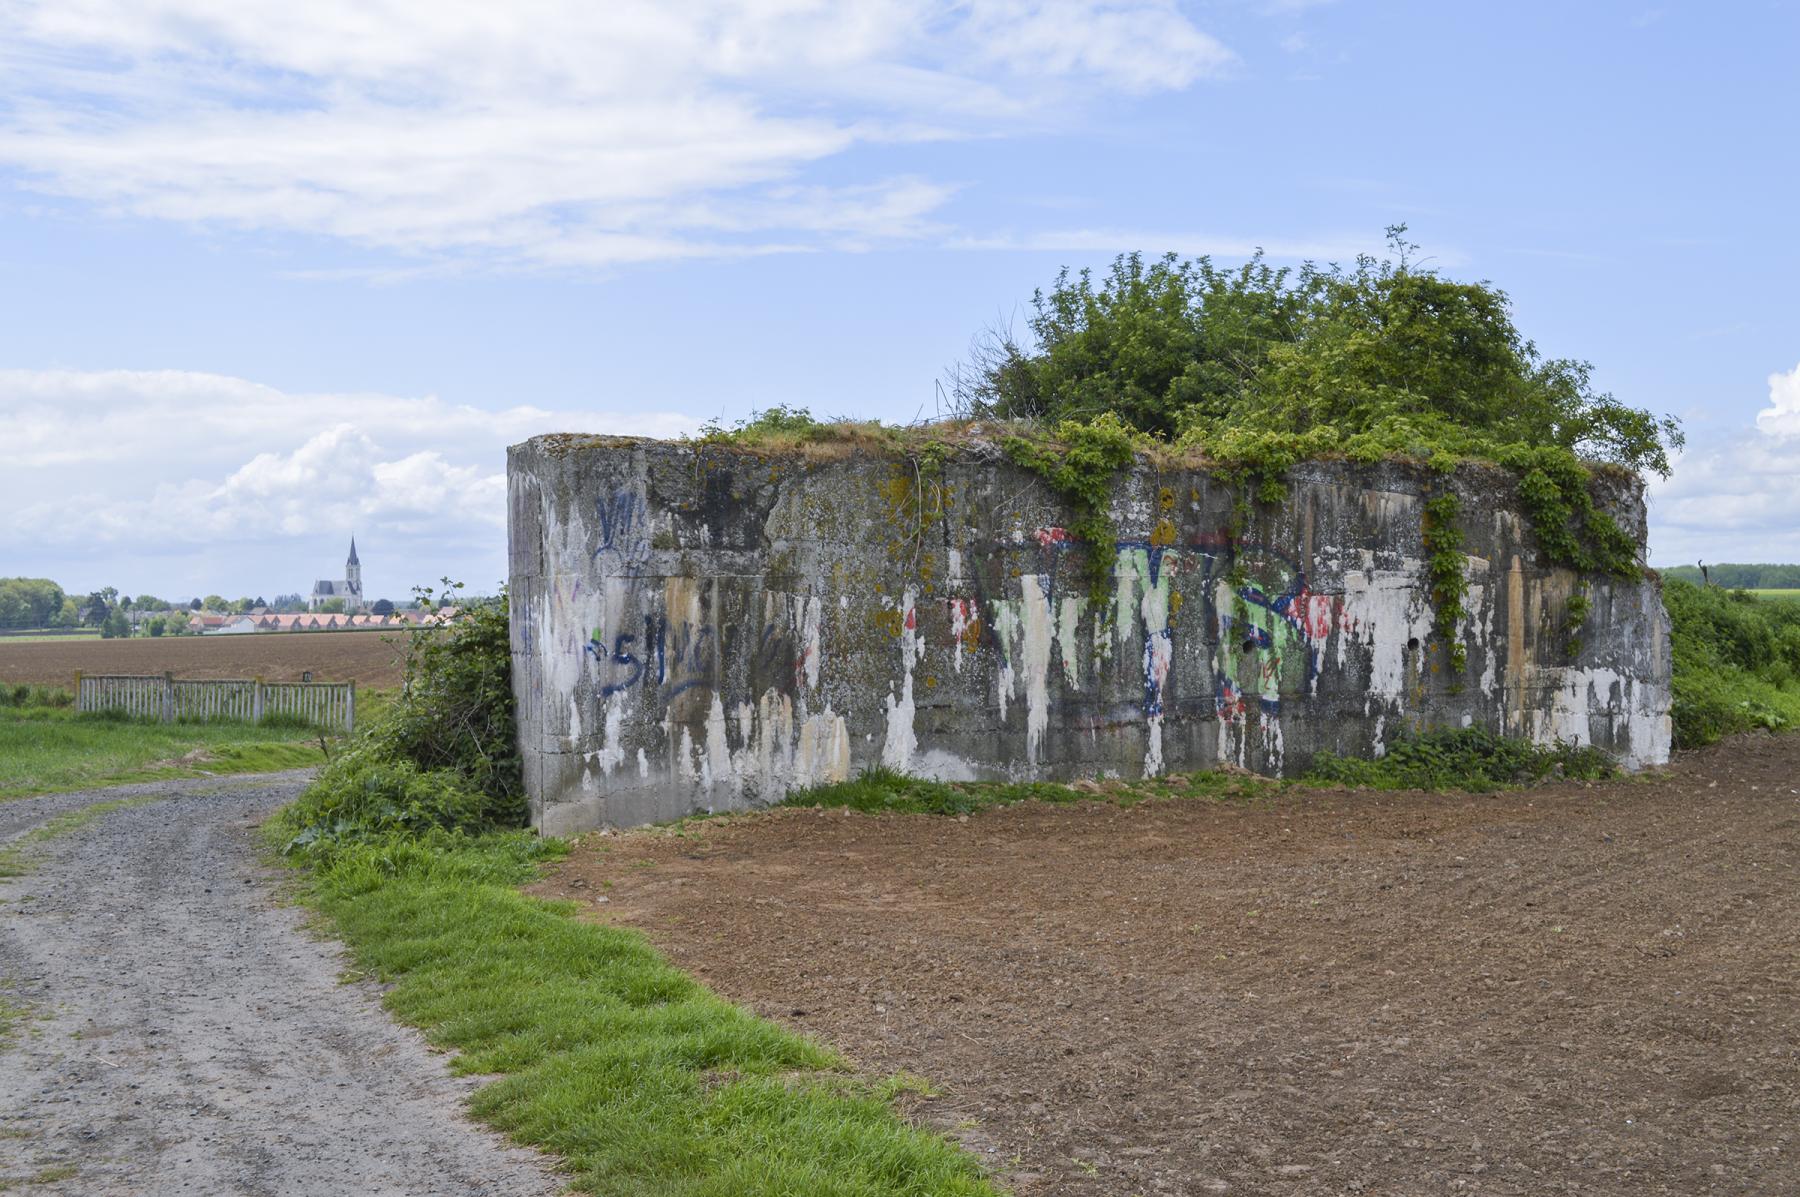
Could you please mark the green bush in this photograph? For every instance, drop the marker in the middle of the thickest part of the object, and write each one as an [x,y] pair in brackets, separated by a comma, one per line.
[1388,350]
[1736,662]
[1469,758]
[443,757]
[23,695]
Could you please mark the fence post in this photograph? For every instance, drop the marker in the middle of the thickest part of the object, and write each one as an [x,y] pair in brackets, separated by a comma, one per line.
[350,709]
[78,705]
[168,703]
[256,702]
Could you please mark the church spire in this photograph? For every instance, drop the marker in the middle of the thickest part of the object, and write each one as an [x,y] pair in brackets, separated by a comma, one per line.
[353,560]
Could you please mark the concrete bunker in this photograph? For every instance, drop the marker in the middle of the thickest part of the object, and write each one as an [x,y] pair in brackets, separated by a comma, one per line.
[704,627]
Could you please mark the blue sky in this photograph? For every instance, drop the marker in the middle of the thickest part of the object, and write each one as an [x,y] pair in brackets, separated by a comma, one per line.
[275,273]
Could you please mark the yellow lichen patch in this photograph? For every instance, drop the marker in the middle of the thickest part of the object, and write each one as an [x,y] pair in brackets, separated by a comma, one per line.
[1163,534]
[1166,498]
[972,633]
[1175,601]
[890,621]
[930,681]
[897,490]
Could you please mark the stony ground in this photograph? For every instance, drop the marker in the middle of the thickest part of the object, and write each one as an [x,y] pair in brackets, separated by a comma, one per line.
[179,1032]
[1573,989]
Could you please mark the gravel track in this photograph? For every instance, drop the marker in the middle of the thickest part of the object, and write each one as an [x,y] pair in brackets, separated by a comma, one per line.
[184,1034]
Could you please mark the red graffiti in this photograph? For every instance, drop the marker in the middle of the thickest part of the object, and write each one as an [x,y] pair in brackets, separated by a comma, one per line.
[1049,536]
[1318,614]
[1228,701]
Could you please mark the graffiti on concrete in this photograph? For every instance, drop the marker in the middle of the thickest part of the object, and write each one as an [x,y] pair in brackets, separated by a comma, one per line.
[838,627]
[622,525]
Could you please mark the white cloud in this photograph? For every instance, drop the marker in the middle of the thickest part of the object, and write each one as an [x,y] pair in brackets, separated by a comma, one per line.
[1782,416]
[118,464]
[549,132]
[1732,498]
[1103,240]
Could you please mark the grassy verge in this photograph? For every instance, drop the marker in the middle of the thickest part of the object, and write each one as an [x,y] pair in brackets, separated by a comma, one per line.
[1465,759]
[49,749]
[642,1080]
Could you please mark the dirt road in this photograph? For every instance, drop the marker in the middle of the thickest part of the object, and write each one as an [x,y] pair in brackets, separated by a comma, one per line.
[1571,989]
[183,1035]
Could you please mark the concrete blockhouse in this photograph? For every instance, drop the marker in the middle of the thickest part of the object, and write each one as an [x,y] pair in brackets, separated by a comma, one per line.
[704,627]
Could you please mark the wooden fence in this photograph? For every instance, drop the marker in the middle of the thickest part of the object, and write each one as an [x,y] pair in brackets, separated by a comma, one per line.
[330,705]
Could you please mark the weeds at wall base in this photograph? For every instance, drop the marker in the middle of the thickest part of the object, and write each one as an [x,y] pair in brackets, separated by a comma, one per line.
[1465,759]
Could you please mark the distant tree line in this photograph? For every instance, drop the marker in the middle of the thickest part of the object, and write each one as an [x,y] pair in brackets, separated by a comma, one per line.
[34,603]
[39,604]
[1734,576]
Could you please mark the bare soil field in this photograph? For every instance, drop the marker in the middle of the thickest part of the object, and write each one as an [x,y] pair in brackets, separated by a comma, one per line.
[1571,989]
[367,658]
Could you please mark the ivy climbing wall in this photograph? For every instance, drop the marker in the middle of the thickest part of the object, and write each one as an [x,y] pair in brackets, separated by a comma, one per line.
[704,627]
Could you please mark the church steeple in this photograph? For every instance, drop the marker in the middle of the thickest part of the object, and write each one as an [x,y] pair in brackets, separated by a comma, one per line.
[353,578]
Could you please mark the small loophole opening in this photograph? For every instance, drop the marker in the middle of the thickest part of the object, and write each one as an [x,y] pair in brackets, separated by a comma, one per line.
[1249,646]
[1412,646]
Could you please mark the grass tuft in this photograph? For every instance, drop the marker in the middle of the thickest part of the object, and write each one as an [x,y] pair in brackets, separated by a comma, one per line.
[639,1077]
[1468,758]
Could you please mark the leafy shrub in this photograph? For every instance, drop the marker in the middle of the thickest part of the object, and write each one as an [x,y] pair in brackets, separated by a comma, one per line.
[1260,368]
[1387,349]
[442,758]
[23,695]
[1736,662]
[1469,758]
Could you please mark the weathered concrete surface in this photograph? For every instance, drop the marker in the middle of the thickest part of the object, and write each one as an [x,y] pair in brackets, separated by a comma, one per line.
[704,628]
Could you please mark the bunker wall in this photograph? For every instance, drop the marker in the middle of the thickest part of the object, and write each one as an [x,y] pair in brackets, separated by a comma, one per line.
[703,628]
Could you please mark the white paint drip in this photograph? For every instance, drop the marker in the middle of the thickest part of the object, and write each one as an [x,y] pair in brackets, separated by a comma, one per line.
[612,746]
[1006,631]
[1068,621]
[1153,617]
[810,616]
[823,753]
[959,626]
[1385,610]
[1034,618]
[685,757]
[1272,744]
[716,765]
[901,742]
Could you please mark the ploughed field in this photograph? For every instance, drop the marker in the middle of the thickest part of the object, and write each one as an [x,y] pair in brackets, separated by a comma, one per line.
[367,658]
[1571,989]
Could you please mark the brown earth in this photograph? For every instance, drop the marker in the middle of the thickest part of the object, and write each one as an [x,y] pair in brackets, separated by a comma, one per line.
[1564,990]
[367,658]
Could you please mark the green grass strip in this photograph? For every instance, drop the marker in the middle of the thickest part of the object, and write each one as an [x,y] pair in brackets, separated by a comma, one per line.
[46,750]
[879,790]
[642,1080]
